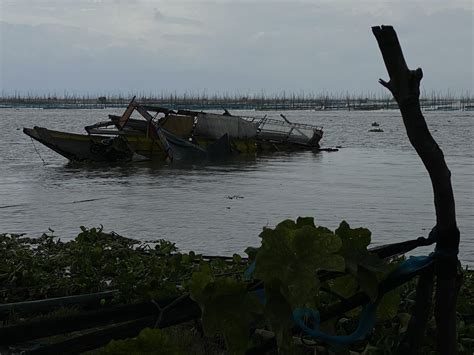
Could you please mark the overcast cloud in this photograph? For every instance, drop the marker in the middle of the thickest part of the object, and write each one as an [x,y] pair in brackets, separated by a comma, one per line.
[111,46]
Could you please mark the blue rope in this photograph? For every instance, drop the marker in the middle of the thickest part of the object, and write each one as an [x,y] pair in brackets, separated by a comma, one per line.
[413,264]
[250,270]
[366,323]
[368,315]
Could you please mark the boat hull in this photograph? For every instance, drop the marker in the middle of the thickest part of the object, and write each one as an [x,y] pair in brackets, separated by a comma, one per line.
[95,148]
[127,147]
[120,148]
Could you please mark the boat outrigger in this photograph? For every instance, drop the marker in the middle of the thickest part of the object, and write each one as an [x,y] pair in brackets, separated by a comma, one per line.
[166,134]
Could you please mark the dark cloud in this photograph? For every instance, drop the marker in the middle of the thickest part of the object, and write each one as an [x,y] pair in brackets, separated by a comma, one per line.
[229,46]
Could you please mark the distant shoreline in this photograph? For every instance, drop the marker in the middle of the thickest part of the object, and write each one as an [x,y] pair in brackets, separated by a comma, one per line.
[258,103]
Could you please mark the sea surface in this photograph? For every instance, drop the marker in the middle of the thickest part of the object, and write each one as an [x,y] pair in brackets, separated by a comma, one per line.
[376,180]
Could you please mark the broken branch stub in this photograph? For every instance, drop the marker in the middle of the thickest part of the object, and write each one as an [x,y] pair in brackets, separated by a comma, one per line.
[404,83]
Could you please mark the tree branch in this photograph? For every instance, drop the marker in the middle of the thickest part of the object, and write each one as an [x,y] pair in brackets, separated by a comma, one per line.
[404,84]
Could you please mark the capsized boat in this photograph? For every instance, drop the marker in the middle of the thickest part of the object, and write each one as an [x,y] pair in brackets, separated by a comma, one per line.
[165,134]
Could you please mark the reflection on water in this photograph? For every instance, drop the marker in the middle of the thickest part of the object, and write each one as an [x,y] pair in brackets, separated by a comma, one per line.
[377,181]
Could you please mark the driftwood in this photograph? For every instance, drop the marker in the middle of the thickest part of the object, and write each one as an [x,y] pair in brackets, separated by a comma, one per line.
[404,84]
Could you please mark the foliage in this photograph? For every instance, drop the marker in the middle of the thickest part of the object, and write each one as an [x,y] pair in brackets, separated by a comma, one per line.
[291,263]
[93,261]
[388,334]
[227,307]
[465,312]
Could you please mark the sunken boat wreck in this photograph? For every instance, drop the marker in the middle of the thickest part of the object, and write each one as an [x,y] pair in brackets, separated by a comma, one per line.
[164,134]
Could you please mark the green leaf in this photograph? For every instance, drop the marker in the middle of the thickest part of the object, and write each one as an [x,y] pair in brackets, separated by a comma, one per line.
[388,305]
[236,258]
[305,221]
[199,281]
[345,286]
[288,223]
[292,254]
[367,267]
[227,309]
[278,314]
[353,240]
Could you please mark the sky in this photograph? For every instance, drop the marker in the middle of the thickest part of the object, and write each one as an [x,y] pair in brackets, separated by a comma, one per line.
[237,47]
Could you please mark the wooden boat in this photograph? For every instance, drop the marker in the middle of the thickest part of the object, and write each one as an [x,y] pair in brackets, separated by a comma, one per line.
[182,134]
[80,147]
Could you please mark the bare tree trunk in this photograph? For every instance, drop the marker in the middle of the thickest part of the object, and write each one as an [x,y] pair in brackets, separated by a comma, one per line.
[404,84]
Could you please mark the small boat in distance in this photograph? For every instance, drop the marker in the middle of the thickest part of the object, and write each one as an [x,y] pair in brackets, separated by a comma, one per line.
[164,134]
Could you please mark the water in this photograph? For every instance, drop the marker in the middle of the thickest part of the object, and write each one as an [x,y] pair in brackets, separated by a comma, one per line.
[376,180]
